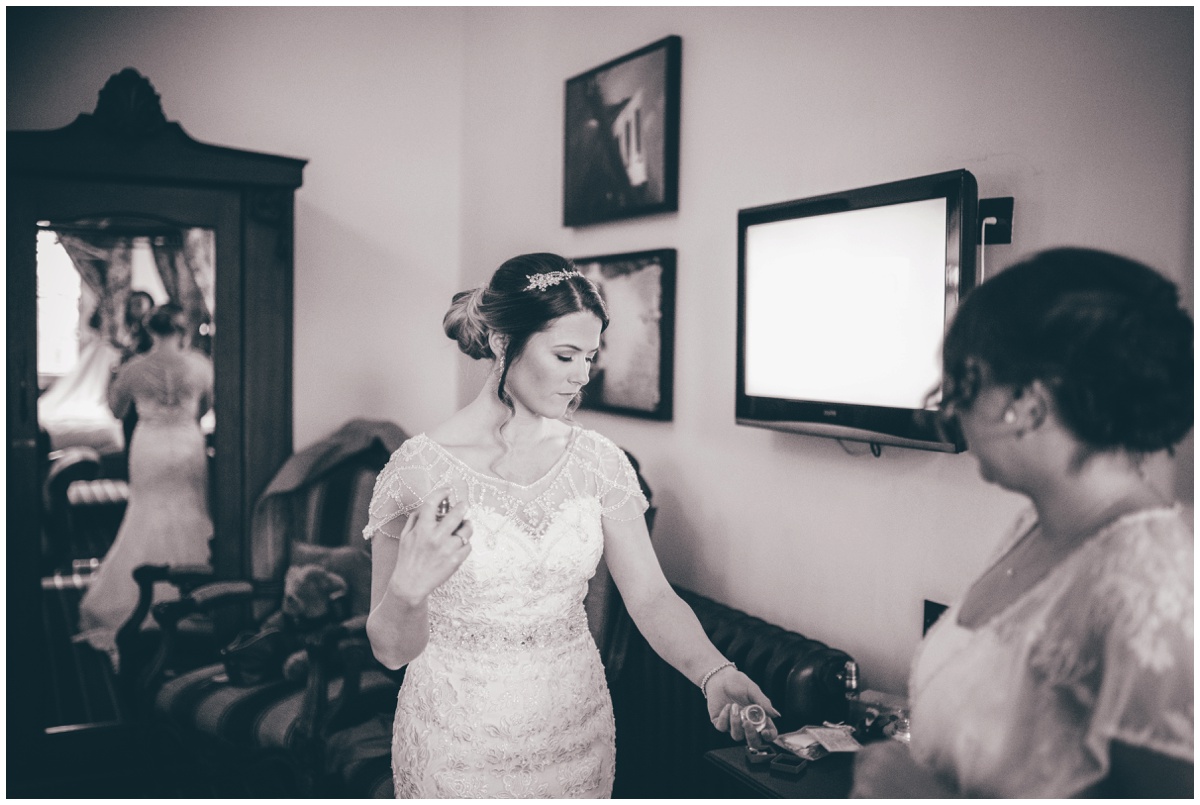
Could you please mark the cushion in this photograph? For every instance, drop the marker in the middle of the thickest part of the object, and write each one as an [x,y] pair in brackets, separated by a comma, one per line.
[351,562]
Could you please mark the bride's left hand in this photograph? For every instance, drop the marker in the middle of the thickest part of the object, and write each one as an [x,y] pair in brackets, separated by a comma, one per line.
[729,693]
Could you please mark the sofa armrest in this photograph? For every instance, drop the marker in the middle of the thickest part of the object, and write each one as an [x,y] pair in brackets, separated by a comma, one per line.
[183,578]
[202,600]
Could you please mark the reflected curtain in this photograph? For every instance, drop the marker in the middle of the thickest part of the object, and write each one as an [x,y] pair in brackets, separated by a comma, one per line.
[105,263]
[186,266]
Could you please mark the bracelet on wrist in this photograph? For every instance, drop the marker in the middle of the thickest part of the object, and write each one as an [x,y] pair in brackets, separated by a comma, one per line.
[712,673]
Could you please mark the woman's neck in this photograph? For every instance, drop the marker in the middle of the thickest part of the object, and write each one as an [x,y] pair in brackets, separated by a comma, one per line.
[1072,506]
[519,425]
[167,345]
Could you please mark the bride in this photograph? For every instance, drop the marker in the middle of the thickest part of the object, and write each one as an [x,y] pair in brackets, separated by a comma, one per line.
[504,695]
[167,520]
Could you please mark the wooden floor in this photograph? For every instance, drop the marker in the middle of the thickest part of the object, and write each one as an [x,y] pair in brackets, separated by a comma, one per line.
[93,748]
[95,762]
[82,685]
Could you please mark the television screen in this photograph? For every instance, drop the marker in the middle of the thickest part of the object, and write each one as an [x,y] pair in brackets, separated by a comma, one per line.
[843,303]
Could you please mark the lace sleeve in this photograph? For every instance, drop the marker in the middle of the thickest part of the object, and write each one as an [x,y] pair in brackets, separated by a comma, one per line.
[1145,698]
[618,488]
[400,488]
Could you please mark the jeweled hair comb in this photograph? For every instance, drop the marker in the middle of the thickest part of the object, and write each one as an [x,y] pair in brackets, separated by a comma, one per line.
[543,281]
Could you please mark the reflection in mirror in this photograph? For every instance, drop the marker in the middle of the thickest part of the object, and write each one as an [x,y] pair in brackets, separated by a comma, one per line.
[125,332]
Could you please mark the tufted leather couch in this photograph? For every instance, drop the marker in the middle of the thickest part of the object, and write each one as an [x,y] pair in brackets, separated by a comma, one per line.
[662,721]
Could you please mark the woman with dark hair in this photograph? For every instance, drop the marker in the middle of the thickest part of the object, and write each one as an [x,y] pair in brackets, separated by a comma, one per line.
[167,519]
[138,307]
[482,597]
[1067,669]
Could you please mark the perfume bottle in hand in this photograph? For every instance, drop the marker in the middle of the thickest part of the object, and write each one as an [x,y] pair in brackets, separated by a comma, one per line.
[759,733]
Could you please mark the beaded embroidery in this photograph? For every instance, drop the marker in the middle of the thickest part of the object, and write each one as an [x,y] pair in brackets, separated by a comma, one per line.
[509,697]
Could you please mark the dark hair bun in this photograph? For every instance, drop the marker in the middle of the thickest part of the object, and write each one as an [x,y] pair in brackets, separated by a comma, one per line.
[1127,378]
[1107,334]
[165,320]
[464,324]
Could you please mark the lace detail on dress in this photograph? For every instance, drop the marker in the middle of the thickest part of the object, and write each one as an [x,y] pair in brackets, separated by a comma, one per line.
[1149,600]
[1101,649]
[167,387]
[509,697]
[592,467]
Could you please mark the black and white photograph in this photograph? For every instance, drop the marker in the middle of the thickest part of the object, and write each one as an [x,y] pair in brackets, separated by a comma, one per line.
[632,373]
[467,402]
[622,137]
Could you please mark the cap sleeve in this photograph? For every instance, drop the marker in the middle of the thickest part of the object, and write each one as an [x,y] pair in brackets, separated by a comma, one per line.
[401,487]
[617,484]
[1145,697]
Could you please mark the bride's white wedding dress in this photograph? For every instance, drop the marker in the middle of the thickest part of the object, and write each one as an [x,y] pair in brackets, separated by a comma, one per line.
[167,519]
[509,697]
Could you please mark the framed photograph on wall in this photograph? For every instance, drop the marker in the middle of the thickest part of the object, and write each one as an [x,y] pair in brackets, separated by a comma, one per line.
[621,148]
[634,370]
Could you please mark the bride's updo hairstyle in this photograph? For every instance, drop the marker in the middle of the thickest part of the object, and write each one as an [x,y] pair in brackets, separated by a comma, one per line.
[165,321]
[1105,334]
[525,296]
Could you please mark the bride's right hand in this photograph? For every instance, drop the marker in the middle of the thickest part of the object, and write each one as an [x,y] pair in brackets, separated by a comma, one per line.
[430,550]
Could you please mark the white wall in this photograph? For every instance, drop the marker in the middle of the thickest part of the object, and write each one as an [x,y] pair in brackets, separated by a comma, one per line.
[1083,116]
[435,140]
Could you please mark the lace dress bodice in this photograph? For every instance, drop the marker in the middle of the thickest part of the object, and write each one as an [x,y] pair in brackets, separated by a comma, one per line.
[168,388]
[509,697]
[1100,650]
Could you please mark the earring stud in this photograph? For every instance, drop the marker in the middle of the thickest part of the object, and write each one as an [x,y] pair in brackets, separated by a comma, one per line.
[1010,416]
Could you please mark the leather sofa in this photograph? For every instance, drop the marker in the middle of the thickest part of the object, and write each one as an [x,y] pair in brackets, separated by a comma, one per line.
[663,729]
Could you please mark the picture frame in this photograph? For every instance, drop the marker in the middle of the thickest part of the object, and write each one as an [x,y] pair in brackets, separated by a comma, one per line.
[621,137]
[634,370]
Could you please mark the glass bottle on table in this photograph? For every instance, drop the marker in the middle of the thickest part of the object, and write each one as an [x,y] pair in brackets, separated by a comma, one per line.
[854,710]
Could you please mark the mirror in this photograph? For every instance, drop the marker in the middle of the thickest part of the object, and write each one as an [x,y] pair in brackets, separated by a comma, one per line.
[98,281]
[125,184]
[125,314]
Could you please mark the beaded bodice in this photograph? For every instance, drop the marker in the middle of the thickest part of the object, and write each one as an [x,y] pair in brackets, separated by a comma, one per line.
[509,697]
[534,547]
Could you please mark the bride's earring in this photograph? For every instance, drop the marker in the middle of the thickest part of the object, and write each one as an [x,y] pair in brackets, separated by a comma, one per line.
[1010,416]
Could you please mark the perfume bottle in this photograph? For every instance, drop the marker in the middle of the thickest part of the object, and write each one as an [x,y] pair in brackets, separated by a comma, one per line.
[853,709]
[850,680]
[754,722]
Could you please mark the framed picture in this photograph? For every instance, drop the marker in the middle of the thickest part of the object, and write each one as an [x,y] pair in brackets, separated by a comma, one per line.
[634,369]
[621,150]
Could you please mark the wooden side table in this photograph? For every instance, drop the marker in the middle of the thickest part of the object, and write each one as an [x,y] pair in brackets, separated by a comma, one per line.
[828,778]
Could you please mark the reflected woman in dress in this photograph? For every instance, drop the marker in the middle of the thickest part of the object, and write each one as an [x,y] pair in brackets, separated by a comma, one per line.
[1067,669]
[167,520]
[504,694]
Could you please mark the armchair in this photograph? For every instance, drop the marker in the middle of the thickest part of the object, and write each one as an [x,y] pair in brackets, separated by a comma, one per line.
[262,736]
[83,510]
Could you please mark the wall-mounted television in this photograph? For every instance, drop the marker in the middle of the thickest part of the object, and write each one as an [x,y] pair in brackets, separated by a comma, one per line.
[843,301]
